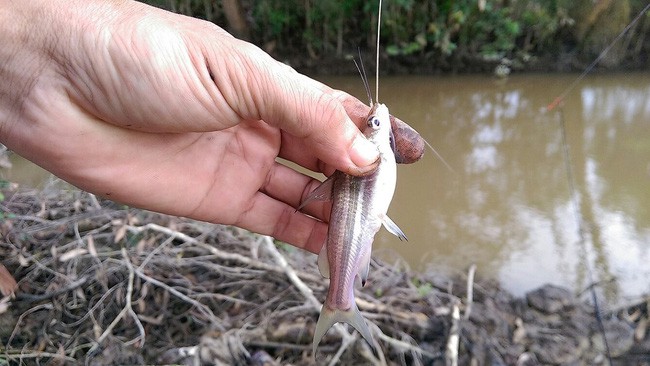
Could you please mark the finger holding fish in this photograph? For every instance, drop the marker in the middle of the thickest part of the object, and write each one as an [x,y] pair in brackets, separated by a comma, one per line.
[409,144]
[299,229]
[292,187]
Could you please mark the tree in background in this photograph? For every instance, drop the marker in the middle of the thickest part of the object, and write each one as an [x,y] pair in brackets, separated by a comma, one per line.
[449,34]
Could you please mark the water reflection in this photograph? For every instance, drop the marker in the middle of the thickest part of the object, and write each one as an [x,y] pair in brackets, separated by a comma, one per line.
[508,209]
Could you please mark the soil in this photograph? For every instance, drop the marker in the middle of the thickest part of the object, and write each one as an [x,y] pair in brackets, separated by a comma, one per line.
[104,284]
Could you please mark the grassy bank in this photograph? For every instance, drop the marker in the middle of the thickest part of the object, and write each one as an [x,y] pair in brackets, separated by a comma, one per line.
[101,283]
[435,35]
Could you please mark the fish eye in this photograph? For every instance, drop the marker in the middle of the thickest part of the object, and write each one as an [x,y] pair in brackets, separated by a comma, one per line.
[373,122]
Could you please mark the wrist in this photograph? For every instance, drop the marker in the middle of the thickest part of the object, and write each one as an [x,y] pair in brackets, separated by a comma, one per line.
[40,39]
[21,58]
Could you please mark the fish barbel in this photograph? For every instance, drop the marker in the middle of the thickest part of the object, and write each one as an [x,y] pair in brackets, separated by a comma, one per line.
[359,206]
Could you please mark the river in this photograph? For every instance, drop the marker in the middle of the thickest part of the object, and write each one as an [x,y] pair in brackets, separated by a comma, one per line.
[507,205]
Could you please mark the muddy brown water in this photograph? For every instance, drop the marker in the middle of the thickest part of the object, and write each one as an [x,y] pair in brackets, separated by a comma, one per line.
[507,207]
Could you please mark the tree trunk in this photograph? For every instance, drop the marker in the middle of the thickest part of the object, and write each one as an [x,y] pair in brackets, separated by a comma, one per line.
[236,21]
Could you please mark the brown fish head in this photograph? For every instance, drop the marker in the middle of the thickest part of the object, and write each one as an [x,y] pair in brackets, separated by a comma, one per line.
[408,145]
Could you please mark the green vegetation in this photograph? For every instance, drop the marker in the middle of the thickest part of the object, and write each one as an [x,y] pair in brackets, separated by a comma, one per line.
[423,287]
[442,32]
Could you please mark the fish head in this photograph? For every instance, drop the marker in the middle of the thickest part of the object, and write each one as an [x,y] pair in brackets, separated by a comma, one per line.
[378,127]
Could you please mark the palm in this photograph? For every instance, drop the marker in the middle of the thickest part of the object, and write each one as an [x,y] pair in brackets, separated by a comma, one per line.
[172,114]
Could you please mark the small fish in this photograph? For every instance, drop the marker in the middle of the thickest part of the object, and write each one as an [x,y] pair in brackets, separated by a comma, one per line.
[359,206]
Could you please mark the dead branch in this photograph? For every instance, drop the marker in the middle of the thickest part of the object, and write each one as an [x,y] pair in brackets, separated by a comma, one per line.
[470,290]
[451,355]
[301,286]
[127,309]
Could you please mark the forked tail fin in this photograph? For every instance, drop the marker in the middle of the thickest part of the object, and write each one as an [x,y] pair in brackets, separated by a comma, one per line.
[329,317]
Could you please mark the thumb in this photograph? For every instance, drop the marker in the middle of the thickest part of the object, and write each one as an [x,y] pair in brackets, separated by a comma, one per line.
[302,107]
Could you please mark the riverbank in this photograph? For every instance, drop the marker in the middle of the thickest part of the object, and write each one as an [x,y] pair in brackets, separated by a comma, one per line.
[433,37]
[107,284]
[423,65]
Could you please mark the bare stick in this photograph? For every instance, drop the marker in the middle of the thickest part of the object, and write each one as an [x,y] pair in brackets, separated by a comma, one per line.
[366,353]
[451,354]
[401,345]
[129,293]
[216,252]
[94,201]
[347,341]
[22,316]
[206,310]
[36,298]
[300,285]
[470,290]
[127,309]
[39,354]
[290,272]
[402,316]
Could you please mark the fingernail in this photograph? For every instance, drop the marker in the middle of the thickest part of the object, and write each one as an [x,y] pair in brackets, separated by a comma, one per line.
[363,153]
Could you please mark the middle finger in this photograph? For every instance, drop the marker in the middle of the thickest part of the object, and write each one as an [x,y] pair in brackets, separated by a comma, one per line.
[292,187]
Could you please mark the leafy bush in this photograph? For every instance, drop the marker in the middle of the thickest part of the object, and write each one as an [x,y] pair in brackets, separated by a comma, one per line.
[486,30]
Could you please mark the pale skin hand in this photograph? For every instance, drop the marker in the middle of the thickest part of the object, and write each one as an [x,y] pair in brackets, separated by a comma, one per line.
[172,114]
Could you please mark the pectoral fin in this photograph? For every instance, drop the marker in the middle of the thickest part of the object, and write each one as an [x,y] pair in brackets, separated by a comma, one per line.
[322,193]
[393,228]
[323,264]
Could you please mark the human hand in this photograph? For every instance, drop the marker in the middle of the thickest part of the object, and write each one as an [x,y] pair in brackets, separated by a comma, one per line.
[172,114]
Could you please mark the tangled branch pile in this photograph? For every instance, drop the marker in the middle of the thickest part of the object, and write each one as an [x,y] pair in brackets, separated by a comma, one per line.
[106,284]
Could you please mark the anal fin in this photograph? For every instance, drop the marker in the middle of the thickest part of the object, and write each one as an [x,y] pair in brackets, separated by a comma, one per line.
[323,264]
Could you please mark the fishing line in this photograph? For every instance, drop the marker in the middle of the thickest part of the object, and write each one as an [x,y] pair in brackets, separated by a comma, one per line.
[377,57]
[568,164]
[591,66]
[581,230]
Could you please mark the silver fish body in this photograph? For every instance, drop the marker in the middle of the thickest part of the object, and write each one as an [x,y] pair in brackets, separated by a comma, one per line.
[359,206]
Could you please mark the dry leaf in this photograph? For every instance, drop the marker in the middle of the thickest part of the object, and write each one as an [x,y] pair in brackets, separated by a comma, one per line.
[91,246]
[23,261]
[133,220]
[4,304]
[120,234]
[43,212]
[6,227]
[74,253]
[634,316]
[140,247]
[8,284]
[641,329]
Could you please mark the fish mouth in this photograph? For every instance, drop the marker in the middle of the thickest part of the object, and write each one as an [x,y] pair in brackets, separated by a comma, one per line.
[391,138]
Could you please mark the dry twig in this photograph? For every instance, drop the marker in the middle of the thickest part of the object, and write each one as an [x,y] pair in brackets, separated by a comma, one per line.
[451,355]
[470,291]
[308,294]
[126,310]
